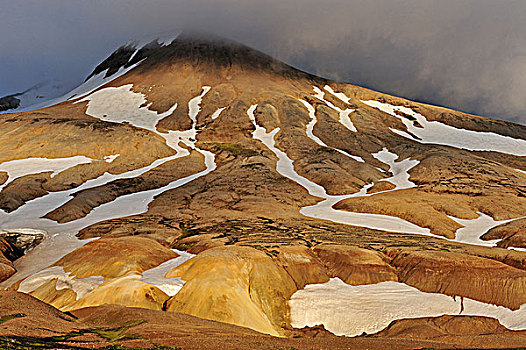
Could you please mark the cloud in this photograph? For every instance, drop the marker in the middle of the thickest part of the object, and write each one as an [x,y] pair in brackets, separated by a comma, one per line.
[466,54]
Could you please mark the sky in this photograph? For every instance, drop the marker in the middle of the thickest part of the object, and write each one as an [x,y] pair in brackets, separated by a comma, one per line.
[465,54]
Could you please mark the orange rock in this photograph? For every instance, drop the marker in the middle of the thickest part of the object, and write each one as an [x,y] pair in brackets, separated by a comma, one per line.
[354,265]
[459,274]
[238,285]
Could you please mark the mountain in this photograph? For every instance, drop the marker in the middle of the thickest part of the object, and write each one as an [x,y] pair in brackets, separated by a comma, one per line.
[195,175]
[33,96]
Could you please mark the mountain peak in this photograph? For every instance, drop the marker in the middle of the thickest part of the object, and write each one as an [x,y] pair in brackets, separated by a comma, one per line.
[196,49]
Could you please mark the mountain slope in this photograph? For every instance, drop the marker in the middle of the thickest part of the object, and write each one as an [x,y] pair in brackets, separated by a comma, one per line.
[275,178]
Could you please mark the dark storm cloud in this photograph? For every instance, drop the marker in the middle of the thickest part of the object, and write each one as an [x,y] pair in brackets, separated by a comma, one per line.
[470,55]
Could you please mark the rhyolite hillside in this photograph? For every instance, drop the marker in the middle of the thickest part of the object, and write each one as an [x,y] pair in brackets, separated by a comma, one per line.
[198,176]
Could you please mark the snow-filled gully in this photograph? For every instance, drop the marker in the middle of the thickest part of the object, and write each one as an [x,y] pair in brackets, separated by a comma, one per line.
[21,167]
[310,132]
[324,209]
[109,104]
[345,120]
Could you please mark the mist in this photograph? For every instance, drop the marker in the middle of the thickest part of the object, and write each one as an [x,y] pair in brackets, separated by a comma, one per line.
[468,55]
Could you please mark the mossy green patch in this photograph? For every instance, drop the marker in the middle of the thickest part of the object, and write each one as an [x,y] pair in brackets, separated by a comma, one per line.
[10,317]
[119,333]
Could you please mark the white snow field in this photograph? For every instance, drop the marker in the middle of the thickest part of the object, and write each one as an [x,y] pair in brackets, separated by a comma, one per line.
[351,310]
[324,209]
[156,276]
[31,214]
[442,134]
[121,104]
[475,228]
[22,167]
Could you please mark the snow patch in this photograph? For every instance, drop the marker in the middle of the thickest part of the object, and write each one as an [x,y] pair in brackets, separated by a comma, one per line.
[156,276]
[111,158]
[351,310]
[400,170]
[81,286]
[217,113]
[164,39]
[442,134]
[29,166]
[340,95]
[121,104]
[475,228]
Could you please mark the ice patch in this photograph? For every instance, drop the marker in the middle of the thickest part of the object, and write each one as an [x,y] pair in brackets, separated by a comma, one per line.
[156,276]
[81,286]
[442,134]
[477,227]
[217,113]
[22,167]
[351,310]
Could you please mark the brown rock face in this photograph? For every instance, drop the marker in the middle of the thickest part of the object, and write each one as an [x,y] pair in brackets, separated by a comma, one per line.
[511,234]
[302,265]
[459,274]
[355,265]
[8,253]
[23,189]
[3,177]
[381,186]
